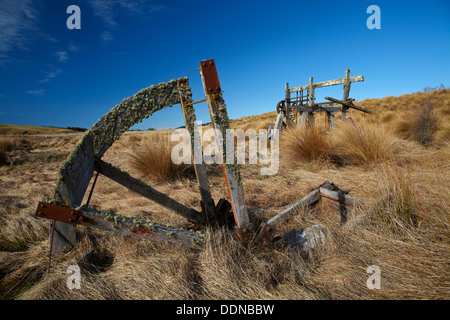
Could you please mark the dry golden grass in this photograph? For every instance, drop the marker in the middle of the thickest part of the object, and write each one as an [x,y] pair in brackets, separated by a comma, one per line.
[152,157]
[364,143]
[401,225]
[305,144]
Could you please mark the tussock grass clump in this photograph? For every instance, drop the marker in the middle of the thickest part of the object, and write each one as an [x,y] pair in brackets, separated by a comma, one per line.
[409,203]
[305,143]
[6,145]
[425,124]
[152,158]
[363,143]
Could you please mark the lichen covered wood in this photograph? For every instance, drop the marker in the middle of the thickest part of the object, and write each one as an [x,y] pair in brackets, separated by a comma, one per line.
[75,174]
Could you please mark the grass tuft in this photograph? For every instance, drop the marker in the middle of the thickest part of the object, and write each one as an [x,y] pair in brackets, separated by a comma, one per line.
[152,158]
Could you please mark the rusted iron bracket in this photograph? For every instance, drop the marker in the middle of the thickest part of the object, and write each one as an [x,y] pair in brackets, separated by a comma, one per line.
[209,71]
[192,103]
[57,213]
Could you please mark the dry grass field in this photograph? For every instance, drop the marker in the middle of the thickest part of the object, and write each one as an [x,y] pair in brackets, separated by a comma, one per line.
[395,161]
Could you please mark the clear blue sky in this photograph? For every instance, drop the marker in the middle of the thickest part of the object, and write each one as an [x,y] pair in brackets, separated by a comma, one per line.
[53,76]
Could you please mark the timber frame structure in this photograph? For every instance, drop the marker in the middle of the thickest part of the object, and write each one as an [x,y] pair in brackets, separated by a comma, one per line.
[66,209]
[299,104]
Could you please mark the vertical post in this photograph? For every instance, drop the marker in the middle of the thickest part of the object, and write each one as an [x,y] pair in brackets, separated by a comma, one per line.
[288,104]
[199,168]
[347,84]
[220,121]
[331,120]
[308,117]
[310,121]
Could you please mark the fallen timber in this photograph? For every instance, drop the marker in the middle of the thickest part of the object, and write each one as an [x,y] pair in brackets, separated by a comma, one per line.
[328,191]
[121,224]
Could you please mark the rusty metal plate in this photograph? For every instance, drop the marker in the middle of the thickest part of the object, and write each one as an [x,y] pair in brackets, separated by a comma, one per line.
[57,213]
[209,70]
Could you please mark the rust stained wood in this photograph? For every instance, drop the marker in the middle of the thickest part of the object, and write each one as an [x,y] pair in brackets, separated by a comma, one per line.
[77,170]
[328,83]
[145,190]
[220,121]
[200,170]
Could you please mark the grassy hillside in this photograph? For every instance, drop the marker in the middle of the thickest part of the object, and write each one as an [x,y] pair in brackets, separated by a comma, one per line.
[396,162]
[9,129]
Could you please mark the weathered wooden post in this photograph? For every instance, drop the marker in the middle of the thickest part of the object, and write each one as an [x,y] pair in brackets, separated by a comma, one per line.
[288,104]
[196,148]
[331,119]
[347,84]
[220,121]
[308,116]
[310,119]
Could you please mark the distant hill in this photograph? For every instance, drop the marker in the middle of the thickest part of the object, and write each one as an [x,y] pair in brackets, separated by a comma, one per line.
[6,129]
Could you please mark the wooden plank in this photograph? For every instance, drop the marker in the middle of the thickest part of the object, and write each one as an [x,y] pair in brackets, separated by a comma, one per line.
[77,170]
[145,190]
[318,109]
[146,229]
[279,121]
[220,121]
[200,170]
[283,216]
[328,83]
[73,180]
[348,104]
[336,196]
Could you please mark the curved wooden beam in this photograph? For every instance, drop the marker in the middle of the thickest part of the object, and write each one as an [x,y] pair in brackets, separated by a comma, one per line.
[76,172]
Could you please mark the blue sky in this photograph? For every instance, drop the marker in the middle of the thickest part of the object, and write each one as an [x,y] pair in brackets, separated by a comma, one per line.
[53,76]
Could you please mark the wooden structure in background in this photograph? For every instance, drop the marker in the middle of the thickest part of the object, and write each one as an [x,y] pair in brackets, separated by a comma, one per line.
[299,104]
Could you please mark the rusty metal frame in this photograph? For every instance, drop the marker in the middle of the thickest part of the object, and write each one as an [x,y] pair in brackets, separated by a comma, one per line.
[57,213]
